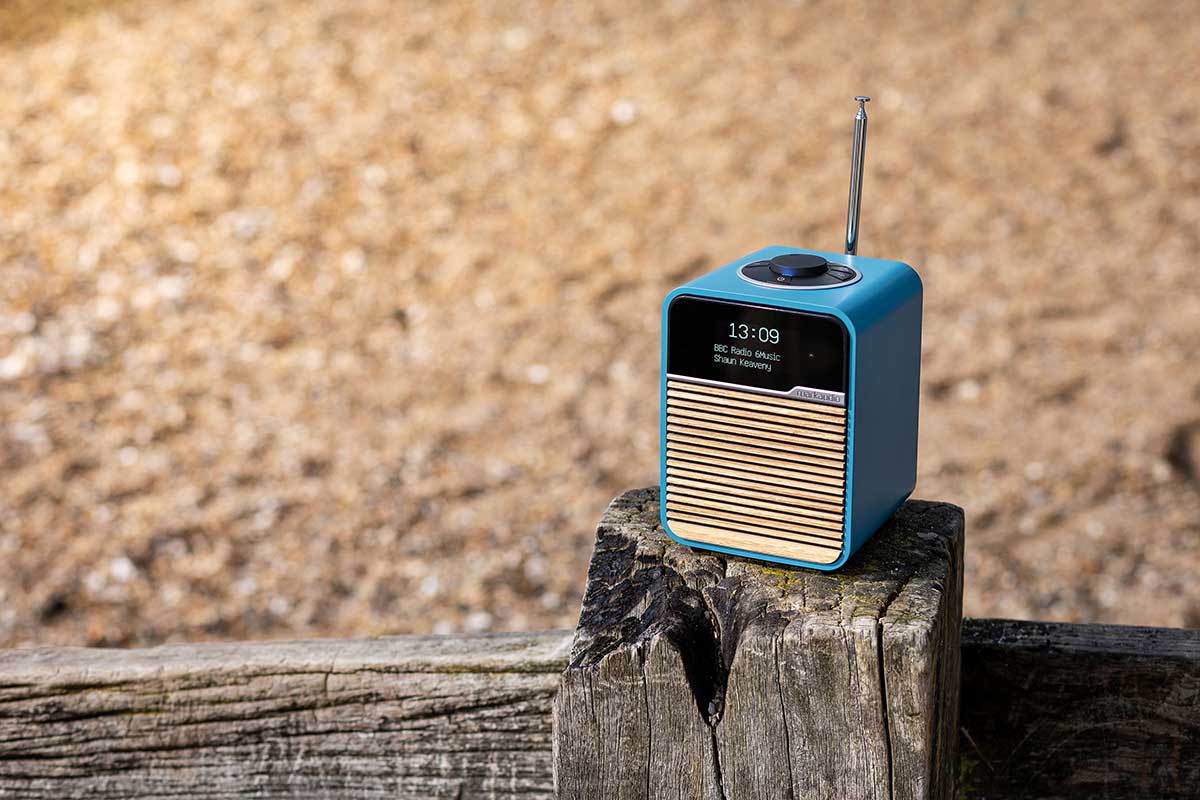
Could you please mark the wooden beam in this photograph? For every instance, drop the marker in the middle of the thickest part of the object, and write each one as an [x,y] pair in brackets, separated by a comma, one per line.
[1049,710]
[694,675]
[1053,710]
[406,717]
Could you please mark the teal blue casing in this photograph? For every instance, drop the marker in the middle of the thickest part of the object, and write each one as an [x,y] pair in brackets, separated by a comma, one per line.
[882,317]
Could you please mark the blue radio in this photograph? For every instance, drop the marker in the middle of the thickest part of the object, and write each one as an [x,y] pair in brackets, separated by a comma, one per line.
[790,384]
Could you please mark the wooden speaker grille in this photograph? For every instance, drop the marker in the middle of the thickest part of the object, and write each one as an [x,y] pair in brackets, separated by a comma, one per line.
[756,472]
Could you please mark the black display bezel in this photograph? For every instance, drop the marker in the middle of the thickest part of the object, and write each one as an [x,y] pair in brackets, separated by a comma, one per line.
[830,335]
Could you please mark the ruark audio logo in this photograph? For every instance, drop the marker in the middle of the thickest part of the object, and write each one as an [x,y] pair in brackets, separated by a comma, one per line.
[801,393]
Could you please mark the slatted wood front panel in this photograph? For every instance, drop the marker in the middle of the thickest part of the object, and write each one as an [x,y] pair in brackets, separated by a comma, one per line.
[756,472]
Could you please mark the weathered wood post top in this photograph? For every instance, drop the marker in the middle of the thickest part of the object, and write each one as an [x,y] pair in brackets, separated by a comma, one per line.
[696,675]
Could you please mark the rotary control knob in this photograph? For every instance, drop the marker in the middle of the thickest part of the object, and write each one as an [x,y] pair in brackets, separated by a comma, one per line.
[799,265]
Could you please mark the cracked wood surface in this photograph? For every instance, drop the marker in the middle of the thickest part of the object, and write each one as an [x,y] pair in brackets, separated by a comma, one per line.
[690,676]
[1054,710]
[695,674]
[403,717]
[1049,710]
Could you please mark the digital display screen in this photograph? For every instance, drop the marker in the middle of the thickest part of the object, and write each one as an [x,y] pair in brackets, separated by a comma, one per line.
[755,346]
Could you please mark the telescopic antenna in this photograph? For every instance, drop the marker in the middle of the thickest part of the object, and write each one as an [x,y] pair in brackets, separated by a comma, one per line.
[856,175]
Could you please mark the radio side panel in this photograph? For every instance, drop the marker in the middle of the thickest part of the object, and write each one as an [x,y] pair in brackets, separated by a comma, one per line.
[887,393]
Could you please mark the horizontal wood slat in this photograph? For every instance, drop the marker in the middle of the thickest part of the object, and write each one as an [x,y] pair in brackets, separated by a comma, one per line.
[769,529]
[800,550]
[783,511]
[780,494]
[744,410]
[755,466]
[787,448]
[750,515]
[831,464]
[738,494]
[732,424]
[819,491]
[765,399]
[705,489]
[749,474]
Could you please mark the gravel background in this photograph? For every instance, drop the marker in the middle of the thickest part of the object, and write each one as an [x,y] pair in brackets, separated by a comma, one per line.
[335,318]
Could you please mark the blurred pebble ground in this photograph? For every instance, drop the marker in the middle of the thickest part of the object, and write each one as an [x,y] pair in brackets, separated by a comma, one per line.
[342,318]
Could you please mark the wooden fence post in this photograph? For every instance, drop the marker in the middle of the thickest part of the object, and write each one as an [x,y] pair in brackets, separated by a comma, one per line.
[693,675]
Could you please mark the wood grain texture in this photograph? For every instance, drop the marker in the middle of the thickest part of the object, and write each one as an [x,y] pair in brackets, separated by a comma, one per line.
[690,675]
[754,399]
[750,411]
[729,484]
[1053,710]
[703,676]
[736,511]
[832,490]
[799,449]
[405,717]
[799,546]
[763,456]
[826,444]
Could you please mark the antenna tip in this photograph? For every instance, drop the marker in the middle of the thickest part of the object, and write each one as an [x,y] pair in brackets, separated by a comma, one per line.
[862,98]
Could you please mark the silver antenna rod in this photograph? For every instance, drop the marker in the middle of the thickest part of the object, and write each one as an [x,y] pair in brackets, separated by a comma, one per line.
[856,175]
